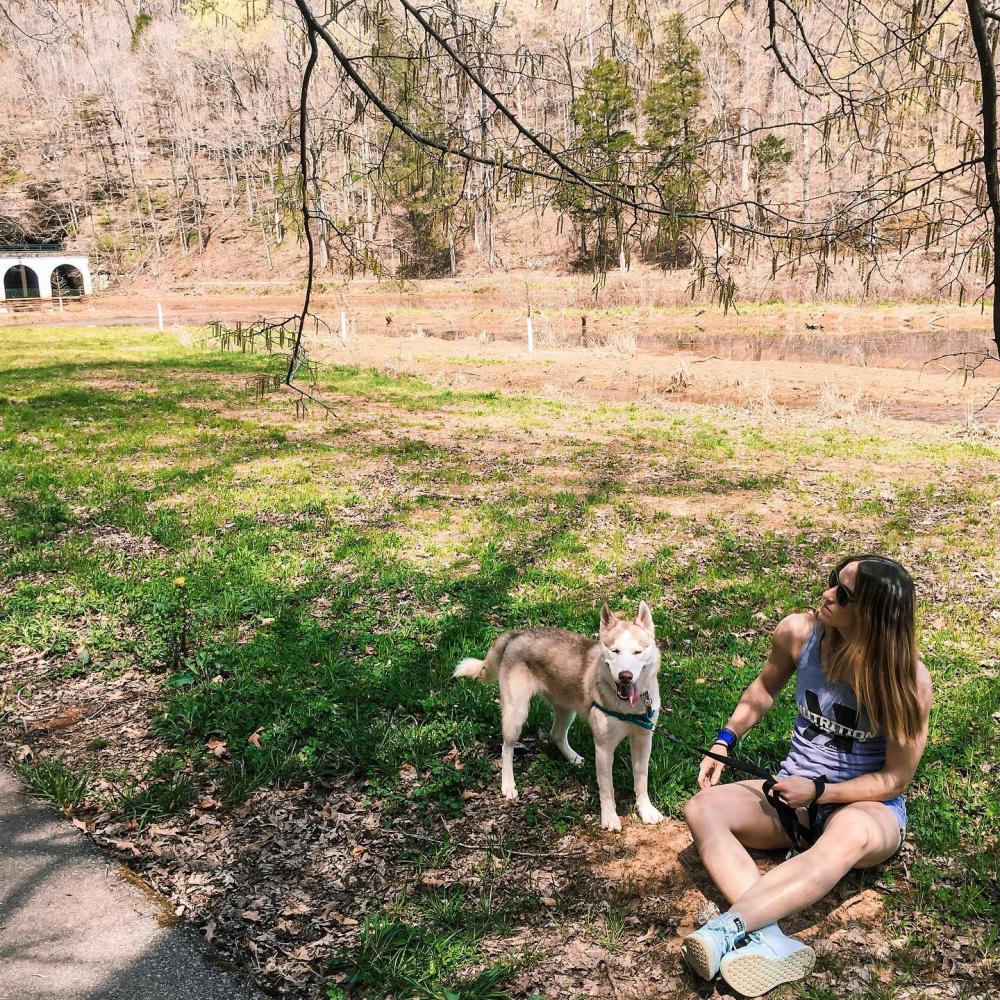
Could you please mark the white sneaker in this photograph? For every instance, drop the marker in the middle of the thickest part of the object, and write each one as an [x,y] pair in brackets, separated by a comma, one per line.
[703,950]
[768,959]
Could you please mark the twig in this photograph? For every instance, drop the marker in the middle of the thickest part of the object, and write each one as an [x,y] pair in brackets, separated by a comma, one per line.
[486,847]
[611,978]
[303,396]
[967,368]
[30,657]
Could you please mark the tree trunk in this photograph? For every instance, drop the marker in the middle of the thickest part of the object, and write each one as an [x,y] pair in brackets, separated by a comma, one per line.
[987,69]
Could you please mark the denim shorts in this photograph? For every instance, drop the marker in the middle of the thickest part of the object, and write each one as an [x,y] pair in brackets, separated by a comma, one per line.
[896,806]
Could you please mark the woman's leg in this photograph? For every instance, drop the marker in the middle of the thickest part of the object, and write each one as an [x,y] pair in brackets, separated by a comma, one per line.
[858,835]
[727,819]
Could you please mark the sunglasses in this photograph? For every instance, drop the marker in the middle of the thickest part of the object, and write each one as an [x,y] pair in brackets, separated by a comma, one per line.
[844,596]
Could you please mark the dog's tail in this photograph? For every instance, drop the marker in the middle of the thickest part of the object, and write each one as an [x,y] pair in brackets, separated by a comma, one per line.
[488,669]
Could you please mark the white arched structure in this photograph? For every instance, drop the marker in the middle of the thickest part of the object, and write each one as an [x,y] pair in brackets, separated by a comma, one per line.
[41,264]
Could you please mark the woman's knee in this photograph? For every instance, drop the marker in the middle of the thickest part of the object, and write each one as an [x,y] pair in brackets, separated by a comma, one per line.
[866,833]
[732,807]
[853,836]
[694,810]
[700,813]
[853,840]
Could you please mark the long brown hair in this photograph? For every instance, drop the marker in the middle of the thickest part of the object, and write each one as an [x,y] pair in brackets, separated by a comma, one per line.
[879,660]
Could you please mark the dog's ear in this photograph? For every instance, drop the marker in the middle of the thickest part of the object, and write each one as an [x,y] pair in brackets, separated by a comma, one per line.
[607,618]
[644,619]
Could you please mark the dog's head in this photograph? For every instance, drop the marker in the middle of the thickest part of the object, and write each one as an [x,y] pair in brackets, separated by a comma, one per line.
[628,651]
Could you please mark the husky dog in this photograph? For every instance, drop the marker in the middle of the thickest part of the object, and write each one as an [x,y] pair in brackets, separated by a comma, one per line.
[571,672]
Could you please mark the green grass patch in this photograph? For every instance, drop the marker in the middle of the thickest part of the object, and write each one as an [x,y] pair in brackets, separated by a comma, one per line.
[52,779]
[398,959]
[334,573]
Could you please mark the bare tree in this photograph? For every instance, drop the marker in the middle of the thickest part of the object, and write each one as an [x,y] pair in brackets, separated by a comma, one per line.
[833,135]
[904,84]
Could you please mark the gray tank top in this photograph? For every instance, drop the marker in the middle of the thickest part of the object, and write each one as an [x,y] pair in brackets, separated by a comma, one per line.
[831,736]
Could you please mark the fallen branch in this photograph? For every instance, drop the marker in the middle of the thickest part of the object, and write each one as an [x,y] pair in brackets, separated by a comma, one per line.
[968,370]
[485,847]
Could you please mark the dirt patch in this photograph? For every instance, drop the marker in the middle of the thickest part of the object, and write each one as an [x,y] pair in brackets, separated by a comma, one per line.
[65,719]
[773,512]
[834,390]
[113,383]
[123,542]
[661,862]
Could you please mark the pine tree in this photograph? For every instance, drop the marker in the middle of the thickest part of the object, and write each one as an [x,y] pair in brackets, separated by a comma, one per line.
[601,112]
[672,135]
[414,182]
[768,158]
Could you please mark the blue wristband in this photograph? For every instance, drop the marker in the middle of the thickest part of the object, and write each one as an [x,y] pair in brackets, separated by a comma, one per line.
[728,737]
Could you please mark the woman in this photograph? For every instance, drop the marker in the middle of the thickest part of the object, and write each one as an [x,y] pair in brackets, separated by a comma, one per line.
[864,698]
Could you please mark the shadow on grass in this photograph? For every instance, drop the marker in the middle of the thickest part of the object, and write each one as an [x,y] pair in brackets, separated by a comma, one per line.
[365,690]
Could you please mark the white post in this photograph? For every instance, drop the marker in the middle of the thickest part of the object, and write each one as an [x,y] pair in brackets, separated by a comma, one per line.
[343,326]
[531,336]
[159,317]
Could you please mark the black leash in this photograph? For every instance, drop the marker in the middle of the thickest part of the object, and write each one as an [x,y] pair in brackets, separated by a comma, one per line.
[801,836]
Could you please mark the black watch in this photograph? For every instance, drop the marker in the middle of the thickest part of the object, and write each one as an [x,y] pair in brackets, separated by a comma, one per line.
[820,784]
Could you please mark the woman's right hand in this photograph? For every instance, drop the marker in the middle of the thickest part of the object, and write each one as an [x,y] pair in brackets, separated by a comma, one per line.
[711,769]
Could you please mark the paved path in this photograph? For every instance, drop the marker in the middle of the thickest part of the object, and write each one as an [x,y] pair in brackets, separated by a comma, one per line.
[71,928]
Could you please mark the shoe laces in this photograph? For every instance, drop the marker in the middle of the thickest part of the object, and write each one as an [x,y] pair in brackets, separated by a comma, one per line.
[729,933]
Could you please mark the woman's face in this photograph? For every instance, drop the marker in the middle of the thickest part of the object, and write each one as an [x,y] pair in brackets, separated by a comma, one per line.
[832,614]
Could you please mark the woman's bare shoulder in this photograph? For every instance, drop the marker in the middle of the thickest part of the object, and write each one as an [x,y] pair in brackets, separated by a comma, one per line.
[793,631]
[796,626]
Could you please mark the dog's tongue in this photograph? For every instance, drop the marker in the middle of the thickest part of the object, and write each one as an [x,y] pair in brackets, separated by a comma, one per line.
[628,692]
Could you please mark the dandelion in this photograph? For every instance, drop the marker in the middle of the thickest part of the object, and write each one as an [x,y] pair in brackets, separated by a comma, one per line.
[179,581]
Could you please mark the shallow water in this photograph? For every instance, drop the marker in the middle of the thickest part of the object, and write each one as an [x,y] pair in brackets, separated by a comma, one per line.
[899,348]
[883,348]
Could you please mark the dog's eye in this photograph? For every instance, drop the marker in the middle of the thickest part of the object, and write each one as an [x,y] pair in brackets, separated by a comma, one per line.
[616,650]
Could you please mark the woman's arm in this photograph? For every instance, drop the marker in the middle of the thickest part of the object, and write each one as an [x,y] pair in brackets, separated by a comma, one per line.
[759,696]
[901,760]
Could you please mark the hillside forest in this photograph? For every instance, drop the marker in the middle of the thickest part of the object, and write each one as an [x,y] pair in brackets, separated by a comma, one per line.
[829,151]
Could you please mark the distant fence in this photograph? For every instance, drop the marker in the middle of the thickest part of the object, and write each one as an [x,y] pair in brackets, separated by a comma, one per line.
[32,247]
[37,304]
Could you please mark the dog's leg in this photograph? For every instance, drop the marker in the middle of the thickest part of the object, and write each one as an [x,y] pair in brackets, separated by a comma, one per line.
[515,699]
[605,759]
[642,745]
[559,733]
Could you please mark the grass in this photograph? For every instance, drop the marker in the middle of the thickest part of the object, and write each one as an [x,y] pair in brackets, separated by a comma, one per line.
[404,960]
[51,779]
[424,942]
[334,572]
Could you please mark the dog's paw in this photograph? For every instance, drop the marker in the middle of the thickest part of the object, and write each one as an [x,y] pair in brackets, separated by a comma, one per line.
[611,821]
[574,758]
[509,793]
[648,813]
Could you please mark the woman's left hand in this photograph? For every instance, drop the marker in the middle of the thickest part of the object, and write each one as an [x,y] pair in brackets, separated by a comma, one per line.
[797,791]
